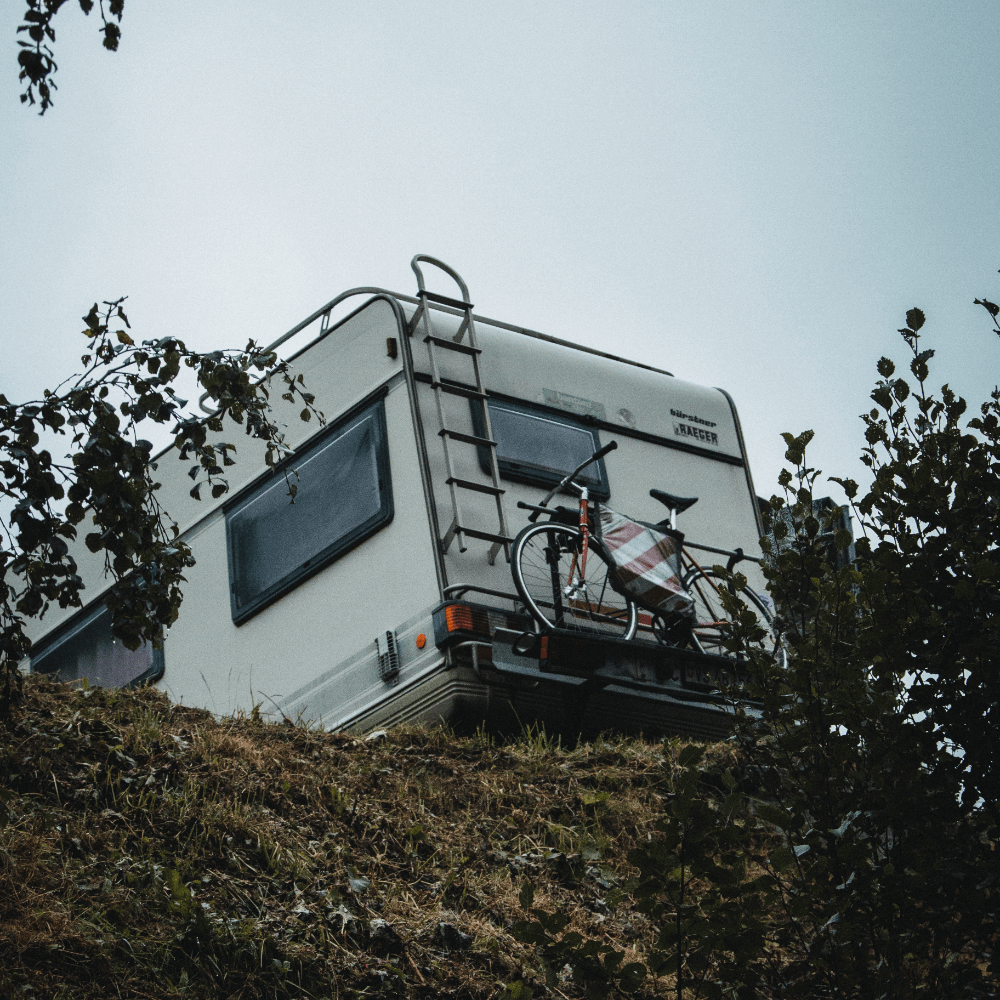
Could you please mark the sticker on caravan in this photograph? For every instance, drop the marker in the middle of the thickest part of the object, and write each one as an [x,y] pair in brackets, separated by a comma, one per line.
[692,428]
[574,404]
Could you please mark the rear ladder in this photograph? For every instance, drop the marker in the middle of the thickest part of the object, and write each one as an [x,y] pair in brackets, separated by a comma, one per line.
[468,348]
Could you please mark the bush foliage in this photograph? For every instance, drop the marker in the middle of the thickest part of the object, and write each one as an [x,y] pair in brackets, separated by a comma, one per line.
[106,484]
[853,851]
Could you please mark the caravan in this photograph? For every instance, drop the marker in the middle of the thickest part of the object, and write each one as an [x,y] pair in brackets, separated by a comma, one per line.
[384,593]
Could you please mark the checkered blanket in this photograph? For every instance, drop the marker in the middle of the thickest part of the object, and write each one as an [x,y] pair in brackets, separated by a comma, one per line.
[647,563]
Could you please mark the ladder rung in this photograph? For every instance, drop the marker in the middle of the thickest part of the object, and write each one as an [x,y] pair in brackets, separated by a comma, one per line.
[486,536]
[467,438]
[444,300]
[458,390]
[467,484]
[452,345]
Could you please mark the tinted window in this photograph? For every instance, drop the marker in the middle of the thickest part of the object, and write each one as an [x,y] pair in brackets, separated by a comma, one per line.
[88,650]
[344,495]
[538,447]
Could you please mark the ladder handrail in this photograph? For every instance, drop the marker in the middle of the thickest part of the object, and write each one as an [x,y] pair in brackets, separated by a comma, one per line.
[374,290]
[421,318]
[427,259]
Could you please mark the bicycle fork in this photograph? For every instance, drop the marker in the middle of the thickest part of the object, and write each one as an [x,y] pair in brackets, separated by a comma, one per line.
[575,589]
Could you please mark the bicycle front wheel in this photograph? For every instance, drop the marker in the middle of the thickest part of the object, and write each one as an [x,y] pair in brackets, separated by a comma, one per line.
[545,565]
[708,631]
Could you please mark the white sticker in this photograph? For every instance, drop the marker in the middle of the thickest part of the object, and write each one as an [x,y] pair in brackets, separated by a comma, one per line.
[574,404]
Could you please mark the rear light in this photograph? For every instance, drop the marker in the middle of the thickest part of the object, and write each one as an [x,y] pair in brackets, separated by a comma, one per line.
[458,618]
[458,621]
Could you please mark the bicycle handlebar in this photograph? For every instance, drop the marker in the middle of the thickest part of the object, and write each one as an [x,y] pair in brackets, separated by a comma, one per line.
[610,446]
[600,453]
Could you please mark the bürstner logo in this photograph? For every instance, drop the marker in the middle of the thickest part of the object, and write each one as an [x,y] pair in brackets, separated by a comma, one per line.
[685,427]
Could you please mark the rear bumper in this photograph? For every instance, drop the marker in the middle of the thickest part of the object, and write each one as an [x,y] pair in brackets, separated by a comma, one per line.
[588,683]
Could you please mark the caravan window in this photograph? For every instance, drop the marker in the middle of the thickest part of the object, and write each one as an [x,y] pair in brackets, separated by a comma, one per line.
[87,649]
[539,447]
[344,495]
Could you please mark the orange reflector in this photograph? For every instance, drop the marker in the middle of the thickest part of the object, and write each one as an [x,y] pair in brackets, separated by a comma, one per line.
[421,641]
[543,648]
[458,618]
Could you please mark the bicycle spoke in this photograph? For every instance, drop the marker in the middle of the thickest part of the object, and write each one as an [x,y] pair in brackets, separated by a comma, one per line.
[547,575]
[711,618]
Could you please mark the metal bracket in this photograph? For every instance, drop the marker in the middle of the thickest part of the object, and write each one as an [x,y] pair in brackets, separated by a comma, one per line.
[388,662]
[449,536]
[527,644]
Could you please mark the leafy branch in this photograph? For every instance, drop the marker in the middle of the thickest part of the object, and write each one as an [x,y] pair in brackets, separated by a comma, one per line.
[106,480]
[35,57]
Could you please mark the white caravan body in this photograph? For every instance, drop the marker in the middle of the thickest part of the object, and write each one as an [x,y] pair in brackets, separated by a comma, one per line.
[339,630]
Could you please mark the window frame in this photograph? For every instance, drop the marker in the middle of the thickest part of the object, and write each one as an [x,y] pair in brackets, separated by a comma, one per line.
[371,405]
[535,475]
[72,628]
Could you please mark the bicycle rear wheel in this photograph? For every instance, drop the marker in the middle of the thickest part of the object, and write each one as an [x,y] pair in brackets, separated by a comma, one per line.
[544,556]
[710,617]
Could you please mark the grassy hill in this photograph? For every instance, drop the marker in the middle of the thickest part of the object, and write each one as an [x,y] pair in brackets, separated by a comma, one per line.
[151,850]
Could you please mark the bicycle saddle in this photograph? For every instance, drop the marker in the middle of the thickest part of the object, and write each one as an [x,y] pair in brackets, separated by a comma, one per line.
[679,504]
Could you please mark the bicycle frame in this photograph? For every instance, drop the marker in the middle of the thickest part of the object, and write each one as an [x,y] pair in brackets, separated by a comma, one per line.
[581,569]
[571,588]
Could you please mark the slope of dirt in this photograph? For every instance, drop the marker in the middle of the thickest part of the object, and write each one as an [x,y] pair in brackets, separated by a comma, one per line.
[150,850]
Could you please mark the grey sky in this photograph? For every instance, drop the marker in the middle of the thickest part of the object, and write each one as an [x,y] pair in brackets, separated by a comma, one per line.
[749,195]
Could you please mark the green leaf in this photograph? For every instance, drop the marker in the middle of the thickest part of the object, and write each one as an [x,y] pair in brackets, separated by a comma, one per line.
[517,991]
[632,977]
[690,755]
[526,897]
[529,932]
[914,319]
[781,859]
[849,486]
[774,815]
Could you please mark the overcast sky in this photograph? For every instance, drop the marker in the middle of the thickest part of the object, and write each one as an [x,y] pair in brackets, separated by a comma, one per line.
[750,195]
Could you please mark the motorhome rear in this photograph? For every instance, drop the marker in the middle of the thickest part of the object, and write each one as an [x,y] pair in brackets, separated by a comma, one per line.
[384,593]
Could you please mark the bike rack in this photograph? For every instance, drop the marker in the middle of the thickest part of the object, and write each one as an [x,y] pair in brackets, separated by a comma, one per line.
[457,590]
[734,557]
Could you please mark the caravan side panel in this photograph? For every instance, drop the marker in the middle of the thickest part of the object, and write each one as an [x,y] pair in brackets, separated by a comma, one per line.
[333,615]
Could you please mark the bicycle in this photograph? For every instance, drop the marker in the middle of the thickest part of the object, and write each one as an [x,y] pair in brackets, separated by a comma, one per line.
[591,569]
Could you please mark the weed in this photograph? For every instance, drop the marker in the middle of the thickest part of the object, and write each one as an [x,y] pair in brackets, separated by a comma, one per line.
[153,850]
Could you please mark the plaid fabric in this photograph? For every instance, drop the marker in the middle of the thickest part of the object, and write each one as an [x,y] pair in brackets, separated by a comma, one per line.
[647,563]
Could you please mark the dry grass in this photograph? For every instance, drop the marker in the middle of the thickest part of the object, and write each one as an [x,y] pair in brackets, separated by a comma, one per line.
[150,850]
